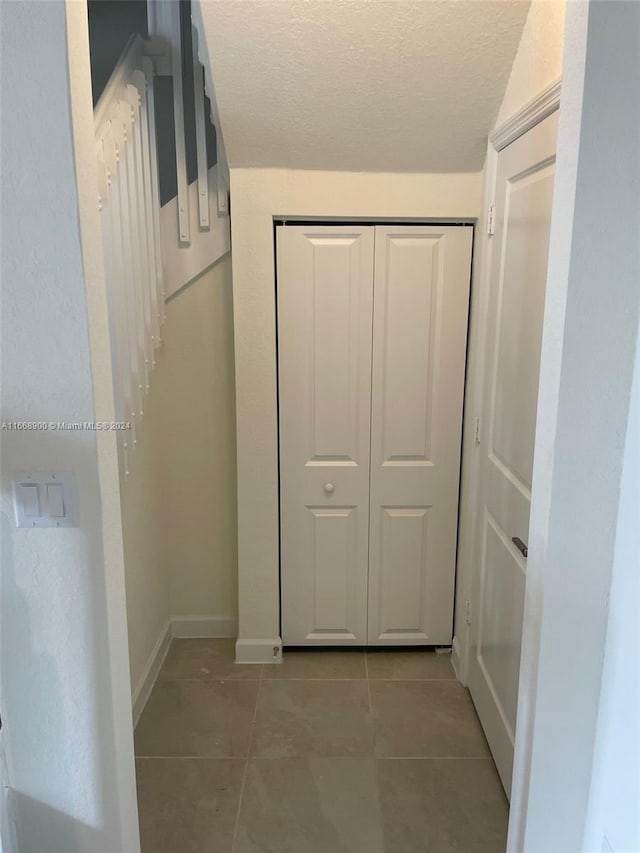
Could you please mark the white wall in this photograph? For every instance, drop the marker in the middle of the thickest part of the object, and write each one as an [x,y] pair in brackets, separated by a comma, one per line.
[179,503]
[538,64]
[258,196]
[588,354]
[65,703]
[615,782]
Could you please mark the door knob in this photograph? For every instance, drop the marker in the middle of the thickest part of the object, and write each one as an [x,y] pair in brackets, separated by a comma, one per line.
[520,545]
[329,488]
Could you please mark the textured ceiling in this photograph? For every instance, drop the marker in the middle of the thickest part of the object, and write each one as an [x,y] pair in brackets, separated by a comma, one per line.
[360,85]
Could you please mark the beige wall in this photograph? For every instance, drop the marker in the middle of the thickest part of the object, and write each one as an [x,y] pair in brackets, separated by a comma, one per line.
[179,504]
[538,62]
[197,447]
[259,195]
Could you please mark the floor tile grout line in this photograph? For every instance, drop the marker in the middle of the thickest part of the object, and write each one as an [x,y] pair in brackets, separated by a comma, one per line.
[242,680]
[191,757]
[304,678]
[357,678]
[433,758]
[401,678]
[205,678]
[246,765]
[297,757]
[373,728]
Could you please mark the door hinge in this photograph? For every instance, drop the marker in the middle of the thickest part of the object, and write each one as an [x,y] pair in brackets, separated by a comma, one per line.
[476,430]
[467,613]
[491,225]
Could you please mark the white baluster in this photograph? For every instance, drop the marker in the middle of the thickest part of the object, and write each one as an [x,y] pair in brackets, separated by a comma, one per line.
[139,231]
[140,82]
[129,264]
[201,136]
[155,190]
[117,299]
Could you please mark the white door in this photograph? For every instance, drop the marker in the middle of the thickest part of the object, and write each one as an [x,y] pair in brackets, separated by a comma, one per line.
[370,425]
[325,294]
[421,300]
[524,192]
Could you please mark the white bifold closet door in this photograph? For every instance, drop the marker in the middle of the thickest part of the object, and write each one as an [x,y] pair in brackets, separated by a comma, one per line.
[325,310]
[421,308]
[372,324]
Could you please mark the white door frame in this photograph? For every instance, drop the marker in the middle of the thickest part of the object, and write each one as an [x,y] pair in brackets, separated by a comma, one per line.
[261,196]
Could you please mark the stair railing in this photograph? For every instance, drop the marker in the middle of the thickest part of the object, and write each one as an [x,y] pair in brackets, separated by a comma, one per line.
[147,256]
[129,202]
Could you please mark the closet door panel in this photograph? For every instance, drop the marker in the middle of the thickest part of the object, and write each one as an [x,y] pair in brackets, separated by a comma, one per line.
[421,298]
[325,296]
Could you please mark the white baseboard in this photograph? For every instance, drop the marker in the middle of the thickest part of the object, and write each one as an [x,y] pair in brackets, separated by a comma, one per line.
[149,675]
[204,626]
[266,650]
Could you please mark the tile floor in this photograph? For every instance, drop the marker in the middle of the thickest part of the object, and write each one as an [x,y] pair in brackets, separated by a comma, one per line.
[329,752]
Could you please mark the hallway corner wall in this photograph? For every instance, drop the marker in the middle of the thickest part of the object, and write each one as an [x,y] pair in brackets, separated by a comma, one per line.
[179,505]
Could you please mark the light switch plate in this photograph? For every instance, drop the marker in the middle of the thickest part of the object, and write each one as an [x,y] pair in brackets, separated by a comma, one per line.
[45,499]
